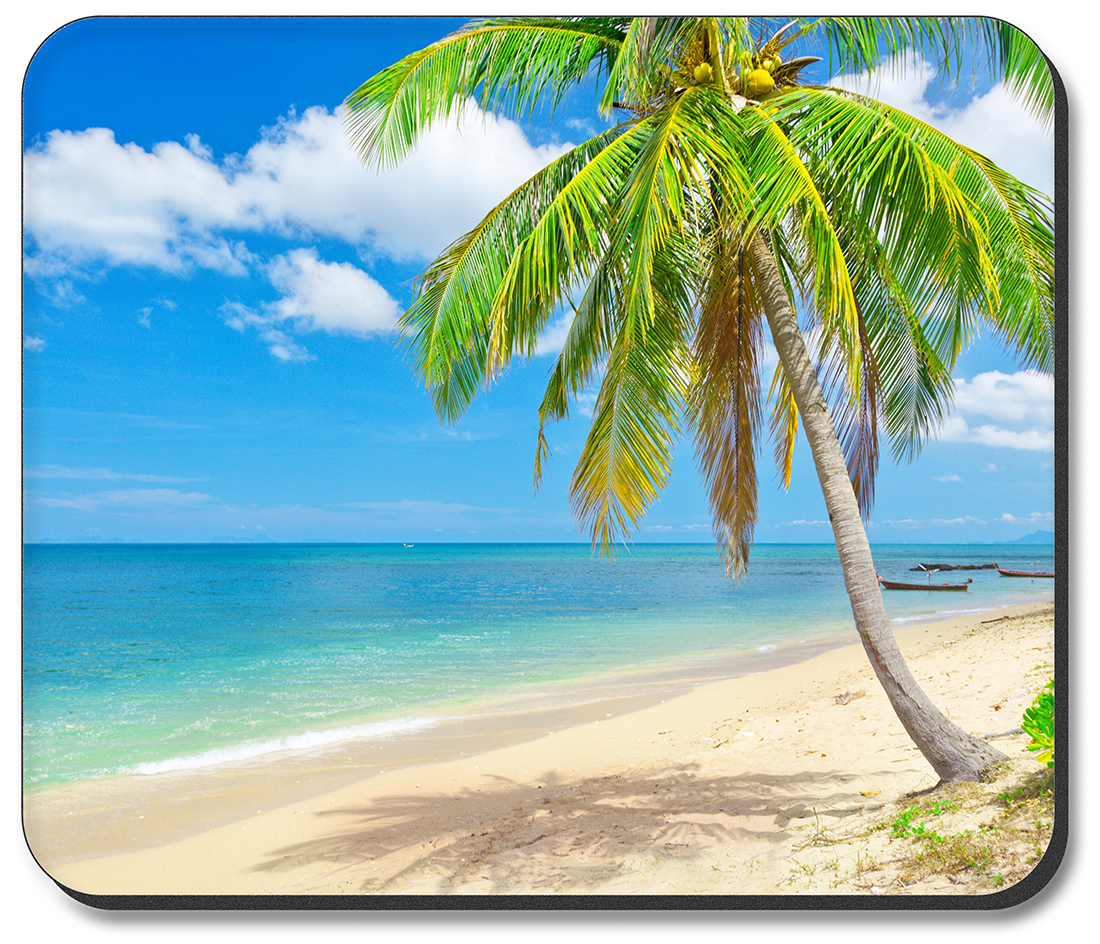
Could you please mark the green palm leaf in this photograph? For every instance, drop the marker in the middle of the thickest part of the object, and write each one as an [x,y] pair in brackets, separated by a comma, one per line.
[513,62]
[448,324]
[627,456]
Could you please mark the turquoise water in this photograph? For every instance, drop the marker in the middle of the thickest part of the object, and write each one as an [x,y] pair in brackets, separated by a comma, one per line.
[146,658]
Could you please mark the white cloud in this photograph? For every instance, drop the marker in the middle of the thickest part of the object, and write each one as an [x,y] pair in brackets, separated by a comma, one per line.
[1033,518]
[553,336]
[1021,403]
[1026,396]
[423,508]
[919,522]
[91,201]
[33,344]
[304,173]
[694,528]
[330,296]
[994,124]
[335,297]
[947,478]
[88,199]
[1031,440]
[283,347]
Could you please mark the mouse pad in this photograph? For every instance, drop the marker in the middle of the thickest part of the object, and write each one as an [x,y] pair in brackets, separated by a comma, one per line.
[544,463]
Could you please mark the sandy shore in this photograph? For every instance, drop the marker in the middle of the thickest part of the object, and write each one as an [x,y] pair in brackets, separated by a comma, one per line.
[727,789]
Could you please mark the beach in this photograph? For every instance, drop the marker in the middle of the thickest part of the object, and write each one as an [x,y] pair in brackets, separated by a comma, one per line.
[769,783]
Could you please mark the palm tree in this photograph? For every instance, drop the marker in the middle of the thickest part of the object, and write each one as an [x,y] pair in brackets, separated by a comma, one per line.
[729,192]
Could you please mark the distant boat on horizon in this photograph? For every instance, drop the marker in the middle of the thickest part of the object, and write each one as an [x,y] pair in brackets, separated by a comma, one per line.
[1022,573]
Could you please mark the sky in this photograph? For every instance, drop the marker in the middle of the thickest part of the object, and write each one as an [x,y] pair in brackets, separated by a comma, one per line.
[212,280]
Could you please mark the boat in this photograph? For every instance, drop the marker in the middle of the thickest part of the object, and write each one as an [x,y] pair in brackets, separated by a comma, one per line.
[935,567]
[1021,573]
[894,585]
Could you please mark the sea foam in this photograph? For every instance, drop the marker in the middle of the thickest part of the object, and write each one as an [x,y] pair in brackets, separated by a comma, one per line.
[308,740]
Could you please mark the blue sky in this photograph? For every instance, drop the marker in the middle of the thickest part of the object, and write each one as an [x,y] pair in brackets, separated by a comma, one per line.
[211,281]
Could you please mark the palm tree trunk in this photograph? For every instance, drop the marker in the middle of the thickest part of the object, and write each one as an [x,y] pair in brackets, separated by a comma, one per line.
[953,754]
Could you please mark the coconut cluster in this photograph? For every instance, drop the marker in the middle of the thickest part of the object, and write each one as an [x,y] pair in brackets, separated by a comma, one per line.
[760,81]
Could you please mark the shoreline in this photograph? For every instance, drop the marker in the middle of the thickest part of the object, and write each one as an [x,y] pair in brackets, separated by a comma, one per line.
[250,814]
[633,684]
[179,802]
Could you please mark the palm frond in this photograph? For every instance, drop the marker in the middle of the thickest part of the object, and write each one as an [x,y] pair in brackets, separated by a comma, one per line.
[447,326]
[855,414]
[627,455]
[962,235]
[564,243]
[783,425]
[725,402]
[786,189]
[912,383]
[641,66]
[513,62]
[586,344]
[1026,71]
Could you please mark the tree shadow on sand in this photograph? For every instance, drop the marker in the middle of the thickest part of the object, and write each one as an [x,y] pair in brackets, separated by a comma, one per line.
[574,837]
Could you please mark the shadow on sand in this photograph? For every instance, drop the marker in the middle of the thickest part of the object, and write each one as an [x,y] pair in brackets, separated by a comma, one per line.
[578,837]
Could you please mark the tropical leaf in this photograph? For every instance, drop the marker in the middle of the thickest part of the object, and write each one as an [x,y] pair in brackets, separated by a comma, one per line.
[725,401]
[448,325]
[993,46]
[505,63]
[627,456]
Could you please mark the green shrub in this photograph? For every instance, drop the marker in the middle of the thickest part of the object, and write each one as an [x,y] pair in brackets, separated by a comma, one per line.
[1039,723]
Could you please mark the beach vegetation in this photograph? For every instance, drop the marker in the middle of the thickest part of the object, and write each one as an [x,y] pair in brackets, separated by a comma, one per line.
[1038,721]
[977,835]
[729,193]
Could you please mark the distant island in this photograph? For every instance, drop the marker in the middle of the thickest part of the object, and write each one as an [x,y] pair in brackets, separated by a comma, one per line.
[1036,537]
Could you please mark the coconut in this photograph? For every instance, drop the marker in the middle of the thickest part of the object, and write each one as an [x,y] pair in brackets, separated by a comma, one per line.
[771,63]
[758,82]
[703,73]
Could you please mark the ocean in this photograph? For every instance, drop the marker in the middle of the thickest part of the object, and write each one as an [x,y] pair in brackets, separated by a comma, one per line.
[142,659]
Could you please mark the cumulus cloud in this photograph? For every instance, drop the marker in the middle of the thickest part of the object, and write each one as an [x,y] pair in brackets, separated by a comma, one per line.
[923,522]
[956,429]
[91,201]
[994,124]
[1023,397]
[553,336]
[335,297]
[305,174]
[32,343]
[330,296]
[1022,404]
[282,346]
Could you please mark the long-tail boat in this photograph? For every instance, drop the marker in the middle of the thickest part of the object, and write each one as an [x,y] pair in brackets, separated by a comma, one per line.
[894,585]
[1021,573]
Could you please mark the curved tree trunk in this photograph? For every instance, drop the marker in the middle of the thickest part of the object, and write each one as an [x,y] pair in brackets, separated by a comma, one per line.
[954,754]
